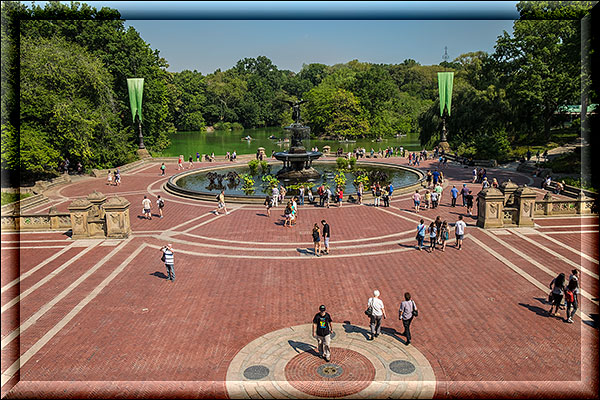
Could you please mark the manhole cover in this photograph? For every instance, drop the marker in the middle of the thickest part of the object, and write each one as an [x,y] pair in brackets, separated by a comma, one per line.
[402,367]
[330,370]
[256,372]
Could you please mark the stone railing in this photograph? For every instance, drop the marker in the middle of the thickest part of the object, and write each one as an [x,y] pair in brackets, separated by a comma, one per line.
[19,206]
[511,205]
[549,206]
[36,222]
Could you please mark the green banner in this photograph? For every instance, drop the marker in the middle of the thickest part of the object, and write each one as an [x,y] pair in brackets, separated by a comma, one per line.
[445,81]
[136,88]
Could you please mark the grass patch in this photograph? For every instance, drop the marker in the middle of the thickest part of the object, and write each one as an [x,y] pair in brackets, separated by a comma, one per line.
[8,198]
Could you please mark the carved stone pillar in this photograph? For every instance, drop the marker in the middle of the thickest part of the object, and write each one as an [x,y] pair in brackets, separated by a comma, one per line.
[490,208]
[261,152]
[525,200]
[80,212]
[97,199]
[548,204]
[508,188]
[116,211]
[581,205]
[326,149]
[54,220]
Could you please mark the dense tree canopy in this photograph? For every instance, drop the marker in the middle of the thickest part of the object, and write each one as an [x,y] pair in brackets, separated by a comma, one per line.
[64,91]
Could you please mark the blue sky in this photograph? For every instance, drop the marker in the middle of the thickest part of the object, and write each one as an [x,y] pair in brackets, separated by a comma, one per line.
[210,35]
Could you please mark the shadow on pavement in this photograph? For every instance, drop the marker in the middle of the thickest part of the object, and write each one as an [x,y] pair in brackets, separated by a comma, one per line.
[303,347]
[159,275]
[349,328]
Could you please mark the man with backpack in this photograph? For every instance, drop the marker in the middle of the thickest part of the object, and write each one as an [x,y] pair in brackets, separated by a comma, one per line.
[161,204]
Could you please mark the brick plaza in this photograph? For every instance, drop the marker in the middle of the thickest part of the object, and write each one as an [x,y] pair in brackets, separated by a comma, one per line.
[98,318]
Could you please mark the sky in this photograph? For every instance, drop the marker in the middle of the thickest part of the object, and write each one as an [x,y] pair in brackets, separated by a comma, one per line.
[206,36]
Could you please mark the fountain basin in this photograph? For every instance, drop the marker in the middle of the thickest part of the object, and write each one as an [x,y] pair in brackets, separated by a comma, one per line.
[195,185]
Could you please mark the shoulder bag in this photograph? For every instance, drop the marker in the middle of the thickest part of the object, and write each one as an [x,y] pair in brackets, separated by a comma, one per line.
[415,312]
[369,310]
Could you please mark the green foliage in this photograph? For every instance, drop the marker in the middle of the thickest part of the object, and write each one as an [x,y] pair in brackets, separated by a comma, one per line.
[236,126]
[270,181]
[342,163]
[361,176]
[222,126]
[248,183]
[352,162]
[8,198]
[340,179]
[265,168]
[253,165]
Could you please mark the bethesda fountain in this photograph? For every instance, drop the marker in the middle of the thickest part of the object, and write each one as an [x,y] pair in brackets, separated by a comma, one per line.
[297,162]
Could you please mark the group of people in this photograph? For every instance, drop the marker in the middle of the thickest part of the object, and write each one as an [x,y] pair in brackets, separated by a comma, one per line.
[317,234]
[439,233]
[231,156]
[147,207]
[114,178]
[322,327]
[561,288]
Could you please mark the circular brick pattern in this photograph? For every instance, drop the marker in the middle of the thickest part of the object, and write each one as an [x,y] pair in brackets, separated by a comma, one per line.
[347,373]
[357,368]
[402,367]
[256,372]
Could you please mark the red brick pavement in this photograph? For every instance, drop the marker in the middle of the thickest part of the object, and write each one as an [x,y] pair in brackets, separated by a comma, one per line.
[482,325]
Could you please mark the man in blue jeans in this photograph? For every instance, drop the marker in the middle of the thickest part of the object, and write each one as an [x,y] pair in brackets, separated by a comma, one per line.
[168,259]
[406,314]
[454,193]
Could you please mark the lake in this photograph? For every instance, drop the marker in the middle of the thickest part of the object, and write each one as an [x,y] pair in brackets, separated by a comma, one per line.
[220,142]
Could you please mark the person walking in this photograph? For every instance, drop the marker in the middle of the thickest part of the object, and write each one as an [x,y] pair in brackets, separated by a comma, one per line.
[109,178]
[454,195]
[434,199]
[326,235]
[558,288]
[168,259]
[463,192]
[221,203]
[327,196]
[432,236]
[268,204]
[275,196]
[438,227]
[417,200]
[147,207]
[377,195]
[459,231]
[316,235]
[377,313]
[386,197]
[572,298]
[420,234]
[301,195]
[321,193]
[322,330]
[340,196]
[163,169]
[444,235]
[359,192]
[160,203]
[408,310]
[469,200]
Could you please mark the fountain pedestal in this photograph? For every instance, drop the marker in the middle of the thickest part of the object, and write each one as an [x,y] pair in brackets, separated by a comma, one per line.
[297,162]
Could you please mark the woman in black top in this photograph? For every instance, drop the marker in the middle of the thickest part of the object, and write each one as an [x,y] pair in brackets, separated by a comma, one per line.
[316,234]
[558,287]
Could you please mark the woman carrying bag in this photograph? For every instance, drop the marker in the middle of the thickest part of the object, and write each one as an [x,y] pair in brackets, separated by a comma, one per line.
[408,311]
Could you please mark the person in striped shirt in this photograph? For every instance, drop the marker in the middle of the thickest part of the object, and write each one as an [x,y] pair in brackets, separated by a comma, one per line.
[168,259]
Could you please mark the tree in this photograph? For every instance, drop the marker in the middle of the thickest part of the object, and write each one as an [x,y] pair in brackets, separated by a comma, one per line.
[539,64]
[67,108]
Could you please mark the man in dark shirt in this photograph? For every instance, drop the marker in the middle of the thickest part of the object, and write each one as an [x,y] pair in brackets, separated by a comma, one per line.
[322,330]
[326,235]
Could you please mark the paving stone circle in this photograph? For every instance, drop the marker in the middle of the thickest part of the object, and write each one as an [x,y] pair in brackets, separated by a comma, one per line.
[383,368]
[402,367]
[256,372]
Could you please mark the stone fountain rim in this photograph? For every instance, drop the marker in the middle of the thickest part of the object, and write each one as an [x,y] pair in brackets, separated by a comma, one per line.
[171,185]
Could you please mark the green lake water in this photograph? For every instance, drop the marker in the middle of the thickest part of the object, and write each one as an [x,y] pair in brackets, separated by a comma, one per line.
[220,142]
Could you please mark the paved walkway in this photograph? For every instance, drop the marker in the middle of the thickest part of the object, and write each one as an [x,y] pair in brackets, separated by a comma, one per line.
[98,318]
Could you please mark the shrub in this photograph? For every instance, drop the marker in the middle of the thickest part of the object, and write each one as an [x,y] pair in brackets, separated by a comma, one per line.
[352,162]
[236,126]
[253,165]
[342,163]
[265,168]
